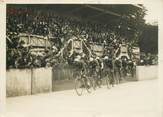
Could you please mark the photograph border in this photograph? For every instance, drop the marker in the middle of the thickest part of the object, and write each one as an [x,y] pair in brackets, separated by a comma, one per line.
[3,39]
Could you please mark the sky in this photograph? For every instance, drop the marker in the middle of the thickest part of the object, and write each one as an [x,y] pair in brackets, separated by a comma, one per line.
[152,13]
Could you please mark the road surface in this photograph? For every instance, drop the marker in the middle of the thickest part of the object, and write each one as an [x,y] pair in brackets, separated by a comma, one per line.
[131,99]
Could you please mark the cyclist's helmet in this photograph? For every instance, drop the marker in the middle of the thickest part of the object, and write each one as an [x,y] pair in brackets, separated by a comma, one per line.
[77,58]
[116,58]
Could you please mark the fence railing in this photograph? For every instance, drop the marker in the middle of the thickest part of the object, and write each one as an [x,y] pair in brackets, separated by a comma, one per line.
[38,80]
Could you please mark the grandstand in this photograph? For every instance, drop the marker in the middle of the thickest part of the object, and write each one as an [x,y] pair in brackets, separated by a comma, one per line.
[54,25]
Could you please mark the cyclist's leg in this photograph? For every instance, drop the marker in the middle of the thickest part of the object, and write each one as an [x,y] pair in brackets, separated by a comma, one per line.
[117,77]
[113,78]
[109,78]
[99,78]
[93,76]
[124,74]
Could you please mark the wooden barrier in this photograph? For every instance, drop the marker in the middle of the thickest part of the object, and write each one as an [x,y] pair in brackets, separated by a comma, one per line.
[63,78]
[146,72]
[41,80]
[28,81]
[18,82]
[31,81]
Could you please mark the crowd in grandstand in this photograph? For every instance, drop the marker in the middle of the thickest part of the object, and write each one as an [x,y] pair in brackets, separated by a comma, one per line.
[60,28]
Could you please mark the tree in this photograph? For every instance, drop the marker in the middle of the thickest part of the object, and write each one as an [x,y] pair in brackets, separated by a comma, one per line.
[132,23]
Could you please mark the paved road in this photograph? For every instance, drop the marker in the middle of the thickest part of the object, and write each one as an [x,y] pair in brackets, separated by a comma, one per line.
[132,99]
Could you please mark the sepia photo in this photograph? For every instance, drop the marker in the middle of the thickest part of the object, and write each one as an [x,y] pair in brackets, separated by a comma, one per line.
[81,60]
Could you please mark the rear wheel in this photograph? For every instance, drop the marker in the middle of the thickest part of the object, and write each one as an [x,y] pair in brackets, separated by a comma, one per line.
[79,86]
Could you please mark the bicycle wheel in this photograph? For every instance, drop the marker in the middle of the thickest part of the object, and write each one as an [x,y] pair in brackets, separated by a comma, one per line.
[88,85]
[94,83]
[99,82]
[107,80]
[79,86]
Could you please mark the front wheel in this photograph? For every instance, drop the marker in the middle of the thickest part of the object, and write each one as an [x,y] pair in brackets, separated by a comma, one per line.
[88,85]
[79,86]
[99,82]
[107,80]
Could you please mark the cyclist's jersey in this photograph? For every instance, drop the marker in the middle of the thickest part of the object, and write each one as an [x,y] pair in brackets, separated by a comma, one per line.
[100,64]
[124,63]
[80,65]
[108,63]
[93,67]
[93,64]
[130,64]
[117,65]
[108,67]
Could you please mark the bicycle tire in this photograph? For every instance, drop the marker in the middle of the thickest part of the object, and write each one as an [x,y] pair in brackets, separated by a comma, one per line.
[99,82]
[88,85]
[107,80]
[79,86]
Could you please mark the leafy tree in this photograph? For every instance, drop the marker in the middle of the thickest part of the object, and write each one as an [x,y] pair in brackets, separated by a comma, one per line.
[132,23]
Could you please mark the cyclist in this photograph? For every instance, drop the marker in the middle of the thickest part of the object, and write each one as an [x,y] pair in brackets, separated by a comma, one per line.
[131,67]
[124,66]
[94,68]
[99,67]
[108,68]
[79,64]
[117,70]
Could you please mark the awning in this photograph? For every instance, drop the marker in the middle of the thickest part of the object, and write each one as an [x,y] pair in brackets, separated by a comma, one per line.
[102,13]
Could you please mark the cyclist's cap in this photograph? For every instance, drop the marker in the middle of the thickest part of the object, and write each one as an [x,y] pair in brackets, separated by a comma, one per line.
[106,57]
[116,58]
[97,58]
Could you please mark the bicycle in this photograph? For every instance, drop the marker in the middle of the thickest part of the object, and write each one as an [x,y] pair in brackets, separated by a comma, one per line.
[105,78]
[96,81]
[108,80]
[81,82]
